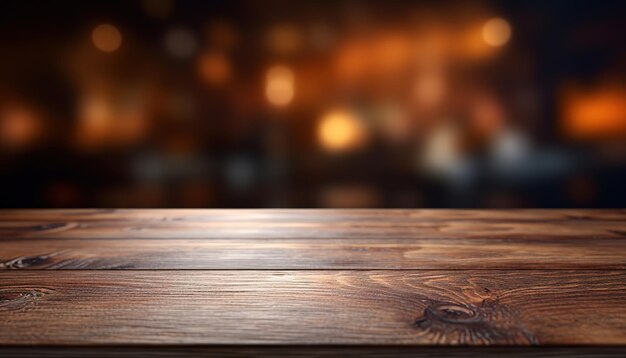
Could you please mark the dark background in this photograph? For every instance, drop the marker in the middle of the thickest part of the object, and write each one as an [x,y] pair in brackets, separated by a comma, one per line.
[312,104]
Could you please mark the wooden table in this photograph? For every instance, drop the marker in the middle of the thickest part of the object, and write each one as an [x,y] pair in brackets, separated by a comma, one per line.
[322,283]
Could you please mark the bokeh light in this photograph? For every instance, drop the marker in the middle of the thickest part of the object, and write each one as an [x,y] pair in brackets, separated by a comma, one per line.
[214,68]
[279,85]
[110,119]
[180,43]
[106,37]
[496,32]
[442,153]
[594,113]
[304,103]
[430,88]
[20,127]
[341,130]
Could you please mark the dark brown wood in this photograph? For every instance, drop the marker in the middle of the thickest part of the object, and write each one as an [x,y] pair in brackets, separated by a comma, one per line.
[266,351]
[307,215]
[376,283]
[312,239]
[348,253]
[313,307]
[311,224]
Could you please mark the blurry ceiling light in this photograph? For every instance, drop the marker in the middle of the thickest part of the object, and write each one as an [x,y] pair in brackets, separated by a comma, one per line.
[158,8]
[106,37]
[496,32]
[214,68]
[340,130]
[19,127]
[284,39]
[279,85]
[180,43]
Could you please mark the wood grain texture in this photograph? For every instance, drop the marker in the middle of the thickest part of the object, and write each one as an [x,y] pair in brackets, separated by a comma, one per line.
[266,351]
[313,283]
[507,307]
[348,253]
[312,239]
[297,215]
[311,224]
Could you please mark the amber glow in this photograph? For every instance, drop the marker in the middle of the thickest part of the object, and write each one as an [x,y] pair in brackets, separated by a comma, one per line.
[214,68]
[106,122]
[594,114]
[284,39]
[341,130]
[19,127]
[430,88]
[279,85]
[496,32]
[106,37]
[351,61]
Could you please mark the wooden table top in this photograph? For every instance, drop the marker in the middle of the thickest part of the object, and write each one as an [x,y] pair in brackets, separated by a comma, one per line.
[312,282]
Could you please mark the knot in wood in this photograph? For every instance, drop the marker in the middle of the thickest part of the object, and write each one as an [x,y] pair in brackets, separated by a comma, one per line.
[18,298]
[25,262]
[488,323]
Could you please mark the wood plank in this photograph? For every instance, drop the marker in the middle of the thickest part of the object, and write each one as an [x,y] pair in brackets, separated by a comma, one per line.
[542,307]
[349,253]
[310,224]
[265,351]
[332,215]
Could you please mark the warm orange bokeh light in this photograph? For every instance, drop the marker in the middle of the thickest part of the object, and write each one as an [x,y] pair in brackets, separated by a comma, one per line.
[106,37]
[594,114]
[19,127]
[279,85]
[106,122]
[496,32]
[214,68]
[430,88]
[340,130]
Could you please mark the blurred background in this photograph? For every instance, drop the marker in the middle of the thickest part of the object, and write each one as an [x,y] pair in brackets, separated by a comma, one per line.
[271,103]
